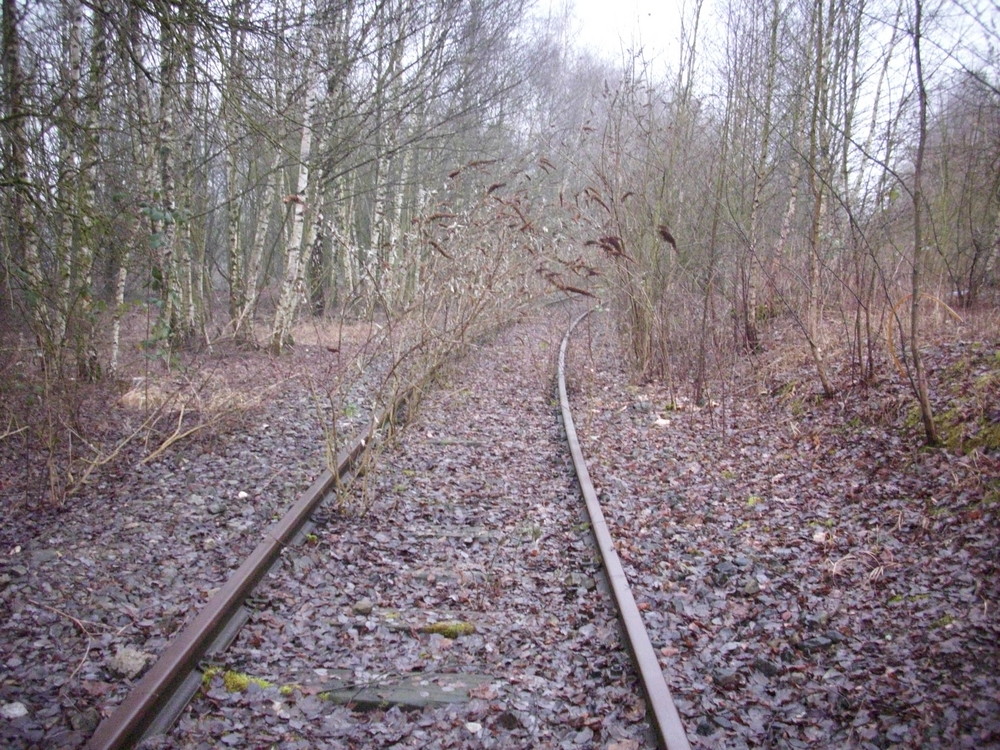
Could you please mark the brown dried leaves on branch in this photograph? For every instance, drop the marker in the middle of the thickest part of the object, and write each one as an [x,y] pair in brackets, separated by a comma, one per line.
[611,244]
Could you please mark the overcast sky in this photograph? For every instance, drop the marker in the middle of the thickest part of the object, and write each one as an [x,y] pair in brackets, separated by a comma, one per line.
[608,25]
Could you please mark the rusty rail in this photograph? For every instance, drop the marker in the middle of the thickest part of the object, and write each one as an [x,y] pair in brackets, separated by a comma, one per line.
[152,695]
[666,721]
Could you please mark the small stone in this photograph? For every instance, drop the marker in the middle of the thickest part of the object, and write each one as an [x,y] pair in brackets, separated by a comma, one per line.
[242,495]
[834,636]
[509,721]
[85,721]
[722,572]
[13,710]
[705,728]
[473,727]
[42,556]
[726,678]
[797,678]
[767,668]
[815,643]
[196,500]
[215,508]
[751,587]
[128,661]
[579,580]
[363,607]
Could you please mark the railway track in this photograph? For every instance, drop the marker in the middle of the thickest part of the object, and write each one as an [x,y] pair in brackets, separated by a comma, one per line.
[460,581]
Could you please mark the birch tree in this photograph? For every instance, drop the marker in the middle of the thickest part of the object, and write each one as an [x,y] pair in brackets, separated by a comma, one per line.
[291,285]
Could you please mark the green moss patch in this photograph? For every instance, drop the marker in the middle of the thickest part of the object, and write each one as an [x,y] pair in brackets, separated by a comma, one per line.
[237,682]
[450,628]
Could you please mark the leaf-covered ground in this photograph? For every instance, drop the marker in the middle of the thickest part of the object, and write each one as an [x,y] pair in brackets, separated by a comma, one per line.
[472,517]
[94,589]
[811,575]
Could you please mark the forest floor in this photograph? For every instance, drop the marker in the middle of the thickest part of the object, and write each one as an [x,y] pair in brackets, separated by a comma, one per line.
[810,573]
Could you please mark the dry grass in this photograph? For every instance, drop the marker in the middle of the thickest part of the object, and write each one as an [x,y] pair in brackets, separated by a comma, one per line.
[210,396]
[335,334]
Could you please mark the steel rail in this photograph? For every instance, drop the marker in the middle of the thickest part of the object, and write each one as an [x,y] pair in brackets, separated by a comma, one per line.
[660,704]
[152,694]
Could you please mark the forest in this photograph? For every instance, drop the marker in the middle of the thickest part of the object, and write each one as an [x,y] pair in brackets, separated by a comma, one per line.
[182,179]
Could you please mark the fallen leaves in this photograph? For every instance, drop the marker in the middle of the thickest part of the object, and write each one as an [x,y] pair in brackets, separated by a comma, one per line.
[474,559]
[813,577]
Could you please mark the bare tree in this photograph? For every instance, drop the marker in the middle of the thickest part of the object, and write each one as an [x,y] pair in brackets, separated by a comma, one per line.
[918,377]
[291,286]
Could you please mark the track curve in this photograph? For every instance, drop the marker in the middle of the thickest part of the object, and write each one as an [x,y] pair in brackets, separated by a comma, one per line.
[164,692]
[661,707]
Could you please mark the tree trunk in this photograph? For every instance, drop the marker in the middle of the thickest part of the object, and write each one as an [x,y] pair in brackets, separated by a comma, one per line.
[919,377]
[291,287]
[163,212]
[818,167]
[21,230]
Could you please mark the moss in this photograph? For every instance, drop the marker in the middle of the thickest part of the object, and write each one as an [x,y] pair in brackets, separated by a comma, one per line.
[913,418]
[828,523]
[972,388]
[960,433]
[943,622]
[987,437]
[450,628]
[237,682]
[900,598]
[754,500]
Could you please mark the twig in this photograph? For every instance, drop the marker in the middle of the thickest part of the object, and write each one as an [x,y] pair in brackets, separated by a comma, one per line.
[83,628]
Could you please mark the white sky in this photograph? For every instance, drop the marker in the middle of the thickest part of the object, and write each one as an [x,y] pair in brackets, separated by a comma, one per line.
[609,26]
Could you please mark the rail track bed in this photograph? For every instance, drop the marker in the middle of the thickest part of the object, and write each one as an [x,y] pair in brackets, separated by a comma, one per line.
[91,593]
[452,597]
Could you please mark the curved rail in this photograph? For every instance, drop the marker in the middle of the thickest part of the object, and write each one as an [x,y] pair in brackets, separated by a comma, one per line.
[666,721]
[155,693]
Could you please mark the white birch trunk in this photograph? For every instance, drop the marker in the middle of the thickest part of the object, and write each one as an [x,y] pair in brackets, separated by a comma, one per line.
[116,316]
[288,300]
